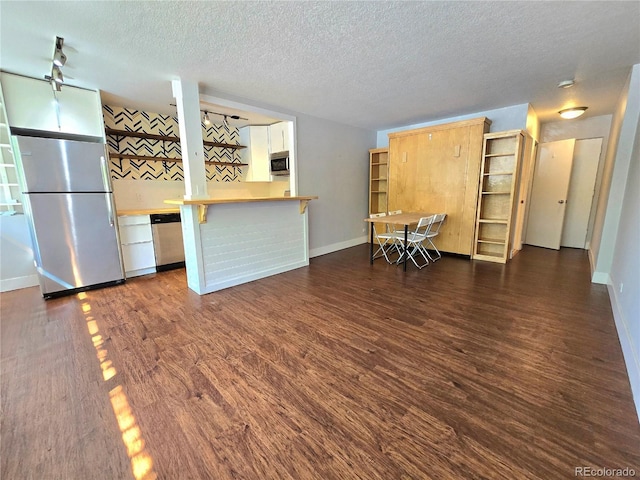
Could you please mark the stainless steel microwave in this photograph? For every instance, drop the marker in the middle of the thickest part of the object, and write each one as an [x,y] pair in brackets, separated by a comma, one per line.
[279,163]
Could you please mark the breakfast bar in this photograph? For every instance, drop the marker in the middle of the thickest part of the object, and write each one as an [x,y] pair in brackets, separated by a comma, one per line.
[230,241]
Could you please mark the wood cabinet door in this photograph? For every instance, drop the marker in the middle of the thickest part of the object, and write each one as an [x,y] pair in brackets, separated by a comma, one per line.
[430,172]
[404,157]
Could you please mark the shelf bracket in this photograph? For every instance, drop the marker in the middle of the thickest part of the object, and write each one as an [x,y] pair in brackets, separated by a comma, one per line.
[303,206]
[202,213]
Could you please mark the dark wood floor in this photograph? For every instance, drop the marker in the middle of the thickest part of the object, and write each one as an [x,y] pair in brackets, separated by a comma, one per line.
[463,370]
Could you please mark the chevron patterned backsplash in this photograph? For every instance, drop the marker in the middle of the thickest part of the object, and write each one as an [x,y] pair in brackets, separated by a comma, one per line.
[154,123]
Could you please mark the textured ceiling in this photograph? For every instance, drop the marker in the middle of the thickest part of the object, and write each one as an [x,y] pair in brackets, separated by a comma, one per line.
[370,64]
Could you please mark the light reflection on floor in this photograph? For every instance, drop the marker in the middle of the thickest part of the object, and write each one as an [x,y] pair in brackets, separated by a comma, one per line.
[141,461]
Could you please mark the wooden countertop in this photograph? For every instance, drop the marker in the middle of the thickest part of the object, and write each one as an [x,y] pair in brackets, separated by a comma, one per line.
[147,211]
[214,201]
[203,203]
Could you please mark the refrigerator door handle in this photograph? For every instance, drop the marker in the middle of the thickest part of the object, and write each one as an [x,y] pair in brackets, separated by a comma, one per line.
[105,173]
[105,182]
[107,197]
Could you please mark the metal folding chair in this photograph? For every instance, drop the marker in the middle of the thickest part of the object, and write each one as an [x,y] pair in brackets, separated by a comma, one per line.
[433,233]
[416,239]
[385,240]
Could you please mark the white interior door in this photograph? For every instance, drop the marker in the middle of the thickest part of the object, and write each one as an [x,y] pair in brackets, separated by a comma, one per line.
[586,157]
[549,193]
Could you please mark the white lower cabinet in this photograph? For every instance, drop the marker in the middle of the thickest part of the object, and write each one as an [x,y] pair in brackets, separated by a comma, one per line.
[137,244]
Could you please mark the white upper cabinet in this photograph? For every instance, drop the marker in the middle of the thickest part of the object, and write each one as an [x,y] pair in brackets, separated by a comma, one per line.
[279,137]
[256,155]
[32,104]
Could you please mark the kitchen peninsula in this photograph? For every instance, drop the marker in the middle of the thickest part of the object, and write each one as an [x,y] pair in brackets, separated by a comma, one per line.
[230,241]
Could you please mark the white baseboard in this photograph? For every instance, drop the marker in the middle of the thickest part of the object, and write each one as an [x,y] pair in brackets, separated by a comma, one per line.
[592,262]
[631,356]
[8,284]
[601,278]
[334,247]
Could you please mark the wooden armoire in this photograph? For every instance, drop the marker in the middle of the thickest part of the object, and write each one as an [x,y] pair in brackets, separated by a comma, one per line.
[436,169]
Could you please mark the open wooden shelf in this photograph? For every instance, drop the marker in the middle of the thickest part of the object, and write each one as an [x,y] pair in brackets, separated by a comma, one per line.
[496,241]
[151,158]
[489,255]
[166,138]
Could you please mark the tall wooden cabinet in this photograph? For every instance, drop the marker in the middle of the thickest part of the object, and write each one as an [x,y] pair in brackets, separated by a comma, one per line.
[498,196]
[435,170]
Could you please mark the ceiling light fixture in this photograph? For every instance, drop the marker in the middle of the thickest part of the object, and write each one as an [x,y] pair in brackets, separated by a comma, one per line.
[573,112]
[205,119]
[566,83]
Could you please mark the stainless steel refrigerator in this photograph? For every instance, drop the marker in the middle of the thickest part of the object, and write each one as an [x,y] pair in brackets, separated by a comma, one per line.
[69,203]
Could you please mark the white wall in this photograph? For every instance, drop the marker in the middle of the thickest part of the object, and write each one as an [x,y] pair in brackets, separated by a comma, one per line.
[17,269]
[618,222]
[533,124]
[333,163]
[614,177]
[507,118]
[625,273]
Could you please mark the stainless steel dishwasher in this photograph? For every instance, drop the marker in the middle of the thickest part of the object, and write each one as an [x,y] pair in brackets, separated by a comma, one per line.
[167,241]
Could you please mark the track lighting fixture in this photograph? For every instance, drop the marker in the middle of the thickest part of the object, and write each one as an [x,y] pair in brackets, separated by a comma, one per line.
[59,59]
[225,117]
[56,74]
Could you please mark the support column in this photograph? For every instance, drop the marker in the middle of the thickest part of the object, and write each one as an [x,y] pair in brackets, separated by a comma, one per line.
[188,103]
[195,177]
